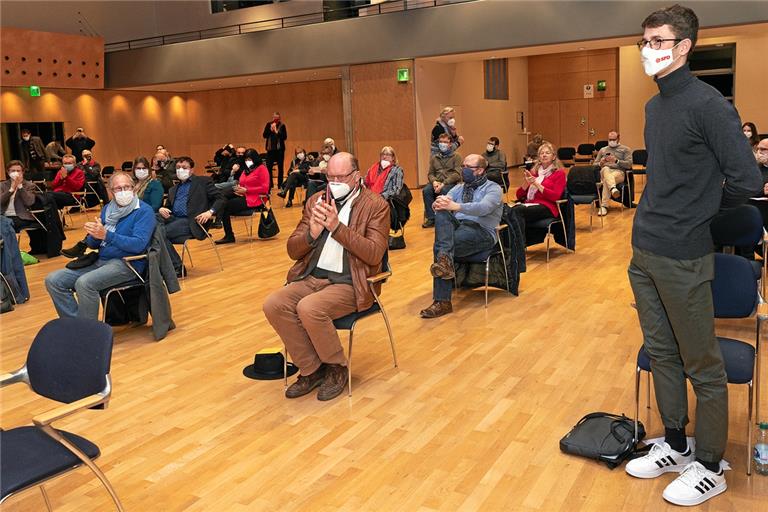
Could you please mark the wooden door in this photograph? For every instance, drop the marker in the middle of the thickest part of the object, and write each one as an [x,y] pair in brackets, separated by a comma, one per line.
[574,115]
[601,118]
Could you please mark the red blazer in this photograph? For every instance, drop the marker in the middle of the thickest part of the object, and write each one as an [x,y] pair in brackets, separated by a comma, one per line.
[256,185]
[554,186]
[74,182]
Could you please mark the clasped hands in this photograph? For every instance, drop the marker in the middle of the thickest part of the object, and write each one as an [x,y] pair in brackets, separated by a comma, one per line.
[323,216]
[96,229]
[445,203]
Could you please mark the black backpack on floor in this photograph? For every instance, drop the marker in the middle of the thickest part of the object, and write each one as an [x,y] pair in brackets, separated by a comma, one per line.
[603,436]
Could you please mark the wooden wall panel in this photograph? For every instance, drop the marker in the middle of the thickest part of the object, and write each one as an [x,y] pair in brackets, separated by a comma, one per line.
[50,59]
[573,122]
[545,119]
[384,114]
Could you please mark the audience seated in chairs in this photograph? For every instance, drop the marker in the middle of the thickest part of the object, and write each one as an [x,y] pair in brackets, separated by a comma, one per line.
[385,178]
[223,154]
[124,229]
[613,160]
[193,200]
[762,163]
[95,191]
[247,194]
[444,173]
[316,179]
[17,198]
[465,224]
[497,162]
[229,172]
[297,175]
[148,187]
[69,179]
[544,186]
[336,246]
[165,169]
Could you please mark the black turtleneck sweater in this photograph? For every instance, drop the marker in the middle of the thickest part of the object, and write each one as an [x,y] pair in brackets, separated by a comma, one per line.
[698,162]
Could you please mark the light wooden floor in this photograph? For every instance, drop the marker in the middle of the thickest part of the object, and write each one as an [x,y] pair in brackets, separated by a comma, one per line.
[469,421]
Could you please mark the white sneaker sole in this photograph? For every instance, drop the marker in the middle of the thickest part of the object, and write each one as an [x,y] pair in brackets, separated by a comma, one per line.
[653,474]
[719,489]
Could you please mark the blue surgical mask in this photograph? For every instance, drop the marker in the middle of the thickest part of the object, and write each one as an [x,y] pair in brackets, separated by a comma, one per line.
[444,147]
[468,175]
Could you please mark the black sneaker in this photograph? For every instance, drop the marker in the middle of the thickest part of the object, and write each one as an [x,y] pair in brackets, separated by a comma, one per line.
[75,251]
[429,223]
[225,240]
[282,194]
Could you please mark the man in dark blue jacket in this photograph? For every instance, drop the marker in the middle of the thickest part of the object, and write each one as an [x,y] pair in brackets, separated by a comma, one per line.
[124,229]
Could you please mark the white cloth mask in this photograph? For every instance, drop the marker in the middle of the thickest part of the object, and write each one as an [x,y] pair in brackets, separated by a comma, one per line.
[613,143]
[656,61]
[26,137]
[326,157]
[748,134]
[141,173]
[14,175]
[124,197]
[385,163]
[338,190]
[300,156]
[451,122]
[490,148]
[182,173]
[249,163]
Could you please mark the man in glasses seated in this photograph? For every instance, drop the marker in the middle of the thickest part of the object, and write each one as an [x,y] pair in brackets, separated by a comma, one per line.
[465,224]
[124,228]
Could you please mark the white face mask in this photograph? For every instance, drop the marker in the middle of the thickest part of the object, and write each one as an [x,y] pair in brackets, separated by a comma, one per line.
[656,61]
[338,190]
[141,173]
[124,197]
[451,122]
[300,156]
[444,146]
[490,147]
[613,143]
[249,163]
[26,137]
[182,173]
[385,163]
[14,175]
[69,167]
[748,134]
[326,157]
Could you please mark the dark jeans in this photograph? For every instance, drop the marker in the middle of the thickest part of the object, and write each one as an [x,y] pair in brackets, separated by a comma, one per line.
[532,214]
[273,157]
[456,239]
[674,304]
[234,206]
[176,232]
[63,199]
[294,179]
[429,198]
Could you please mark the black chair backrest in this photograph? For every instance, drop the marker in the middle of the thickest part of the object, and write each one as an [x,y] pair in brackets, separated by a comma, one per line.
[585,149]
[734,289]
[566,153]
[600,144]
[126,166]
[640,157]
[107,170]
[741,226]
[70,358]
[582,179]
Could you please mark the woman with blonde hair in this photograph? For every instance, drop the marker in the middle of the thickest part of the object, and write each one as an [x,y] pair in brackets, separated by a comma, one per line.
[543,186]
[446,123]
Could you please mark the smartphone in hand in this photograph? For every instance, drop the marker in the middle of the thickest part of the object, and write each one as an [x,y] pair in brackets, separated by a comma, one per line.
[328,198]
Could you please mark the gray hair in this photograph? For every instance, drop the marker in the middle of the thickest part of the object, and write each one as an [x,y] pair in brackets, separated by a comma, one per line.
[118,174]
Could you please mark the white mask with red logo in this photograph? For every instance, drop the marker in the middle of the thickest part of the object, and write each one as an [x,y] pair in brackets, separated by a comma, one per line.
[656,61]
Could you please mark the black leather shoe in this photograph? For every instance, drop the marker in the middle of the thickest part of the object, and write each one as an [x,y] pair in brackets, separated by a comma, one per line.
[289,204]
[429,223]
[225,240]
[75,251]
[282,194]
[438,308]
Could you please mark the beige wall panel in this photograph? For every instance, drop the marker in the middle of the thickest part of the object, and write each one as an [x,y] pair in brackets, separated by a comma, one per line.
[571,85]
[545,119]
[49,59]
[543,87]
[434,84]
[543,65]
[572,64]
[572,131]
[383,113]
[602,61]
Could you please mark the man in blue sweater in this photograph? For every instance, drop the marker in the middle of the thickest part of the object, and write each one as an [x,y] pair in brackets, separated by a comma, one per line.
[698,162]
[125,228]
[465,224]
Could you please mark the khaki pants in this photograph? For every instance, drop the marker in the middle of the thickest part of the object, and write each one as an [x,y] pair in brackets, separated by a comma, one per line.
[610,178]
[674,304]
[302,314]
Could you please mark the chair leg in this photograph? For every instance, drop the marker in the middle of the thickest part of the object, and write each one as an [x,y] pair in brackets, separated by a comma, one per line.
[389,332]
[285,367]
[648,390]
[749,428]
[548,236]
[637,400]
[45,498]
[86,460]
[591,211]
[487,270]
[216,250]
[756,377]
[349,361]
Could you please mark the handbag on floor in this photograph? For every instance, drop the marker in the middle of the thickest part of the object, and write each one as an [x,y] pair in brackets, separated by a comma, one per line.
[603,436]
[396,240]
[268,226]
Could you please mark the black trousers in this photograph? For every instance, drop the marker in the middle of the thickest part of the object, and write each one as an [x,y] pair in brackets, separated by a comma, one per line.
[530,215]
[63,199]
[294,179]
[274,156]
[37,237]
[234,206]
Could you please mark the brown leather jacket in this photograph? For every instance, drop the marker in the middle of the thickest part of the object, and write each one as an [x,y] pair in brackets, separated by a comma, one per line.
[24,199]
[365,240]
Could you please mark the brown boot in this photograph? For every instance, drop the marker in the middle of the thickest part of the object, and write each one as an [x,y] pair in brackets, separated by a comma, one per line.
[305,384]
[443,268]
[438,308]
[335,381]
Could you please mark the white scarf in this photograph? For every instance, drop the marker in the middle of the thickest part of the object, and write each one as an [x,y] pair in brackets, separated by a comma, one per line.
[543,174]
[332,256]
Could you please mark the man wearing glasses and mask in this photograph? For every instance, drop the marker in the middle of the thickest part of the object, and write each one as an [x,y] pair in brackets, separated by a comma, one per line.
[339,242]
[124,228]
[698,162]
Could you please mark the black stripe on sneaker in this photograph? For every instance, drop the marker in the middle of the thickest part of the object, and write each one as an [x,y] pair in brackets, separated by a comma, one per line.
[704,485]
[660,464]
[700,490]
[710,482]
[671,460]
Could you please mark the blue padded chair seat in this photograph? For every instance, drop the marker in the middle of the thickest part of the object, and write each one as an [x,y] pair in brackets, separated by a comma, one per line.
[739,360]
[757,268]
[28,455]
[579,199]
[479,257]
[345,322]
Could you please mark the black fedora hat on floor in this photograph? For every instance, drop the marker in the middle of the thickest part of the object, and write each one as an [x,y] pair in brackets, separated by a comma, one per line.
[268,365]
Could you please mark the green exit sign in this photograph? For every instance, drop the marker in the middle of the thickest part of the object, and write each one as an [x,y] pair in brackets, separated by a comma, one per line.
[34,91]
[601,85]
[403,75]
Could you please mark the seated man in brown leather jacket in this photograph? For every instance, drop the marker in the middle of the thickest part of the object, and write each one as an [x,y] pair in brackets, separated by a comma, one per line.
[339,242]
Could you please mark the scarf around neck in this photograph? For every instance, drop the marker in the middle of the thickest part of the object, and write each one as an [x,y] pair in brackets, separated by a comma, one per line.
[468,192]
[542,175]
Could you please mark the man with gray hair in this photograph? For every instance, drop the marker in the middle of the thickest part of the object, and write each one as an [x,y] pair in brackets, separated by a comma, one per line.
[124,228]
[613,160]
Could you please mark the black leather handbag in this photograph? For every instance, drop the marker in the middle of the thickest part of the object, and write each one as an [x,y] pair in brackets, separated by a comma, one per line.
[603,436]
[268,226]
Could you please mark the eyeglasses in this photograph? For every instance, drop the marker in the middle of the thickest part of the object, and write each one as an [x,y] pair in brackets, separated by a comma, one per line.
[342,177]
[654,43]
[125,188]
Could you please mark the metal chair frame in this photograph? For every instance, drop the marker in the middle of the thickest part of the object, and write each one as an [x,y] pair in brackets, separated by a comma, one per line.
[499,250]
[186,252]
[32,228]
[119,289]
[560,221]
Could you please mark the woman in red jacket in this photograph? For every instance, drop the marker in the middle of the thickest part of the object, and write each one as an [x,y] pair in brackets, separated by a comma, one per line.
[544,184]
[252,187]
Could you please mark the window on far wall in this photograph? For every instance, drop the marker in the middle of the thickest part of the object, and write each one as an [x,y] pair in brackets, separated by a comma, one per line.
[716,65]
[496,79]
[231,5]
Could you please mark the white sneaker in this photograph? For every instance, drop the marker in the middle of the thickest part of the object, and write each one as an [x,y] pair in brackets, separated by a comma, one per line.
[661,459]
[602,211]
[615,193]
[696,484]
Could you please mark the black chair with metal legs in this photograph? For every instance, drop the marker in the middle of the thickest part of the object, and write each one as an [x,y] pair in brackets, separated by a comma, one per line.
[484,257]
[551,223]
[138,282]
[40,225]
[68,361]
[582,179]
[734,296]
[185,253]
[348,322]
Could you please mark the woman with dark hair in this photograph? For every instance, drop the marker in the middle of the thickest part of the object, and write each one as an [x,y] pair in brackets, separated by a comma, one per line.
[750,132]
[148,188]
[251,187]
[297,176]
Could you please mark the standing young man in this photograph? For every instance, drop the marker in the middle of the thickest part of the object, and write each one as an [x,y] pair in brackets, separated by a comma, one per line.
[698,162]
